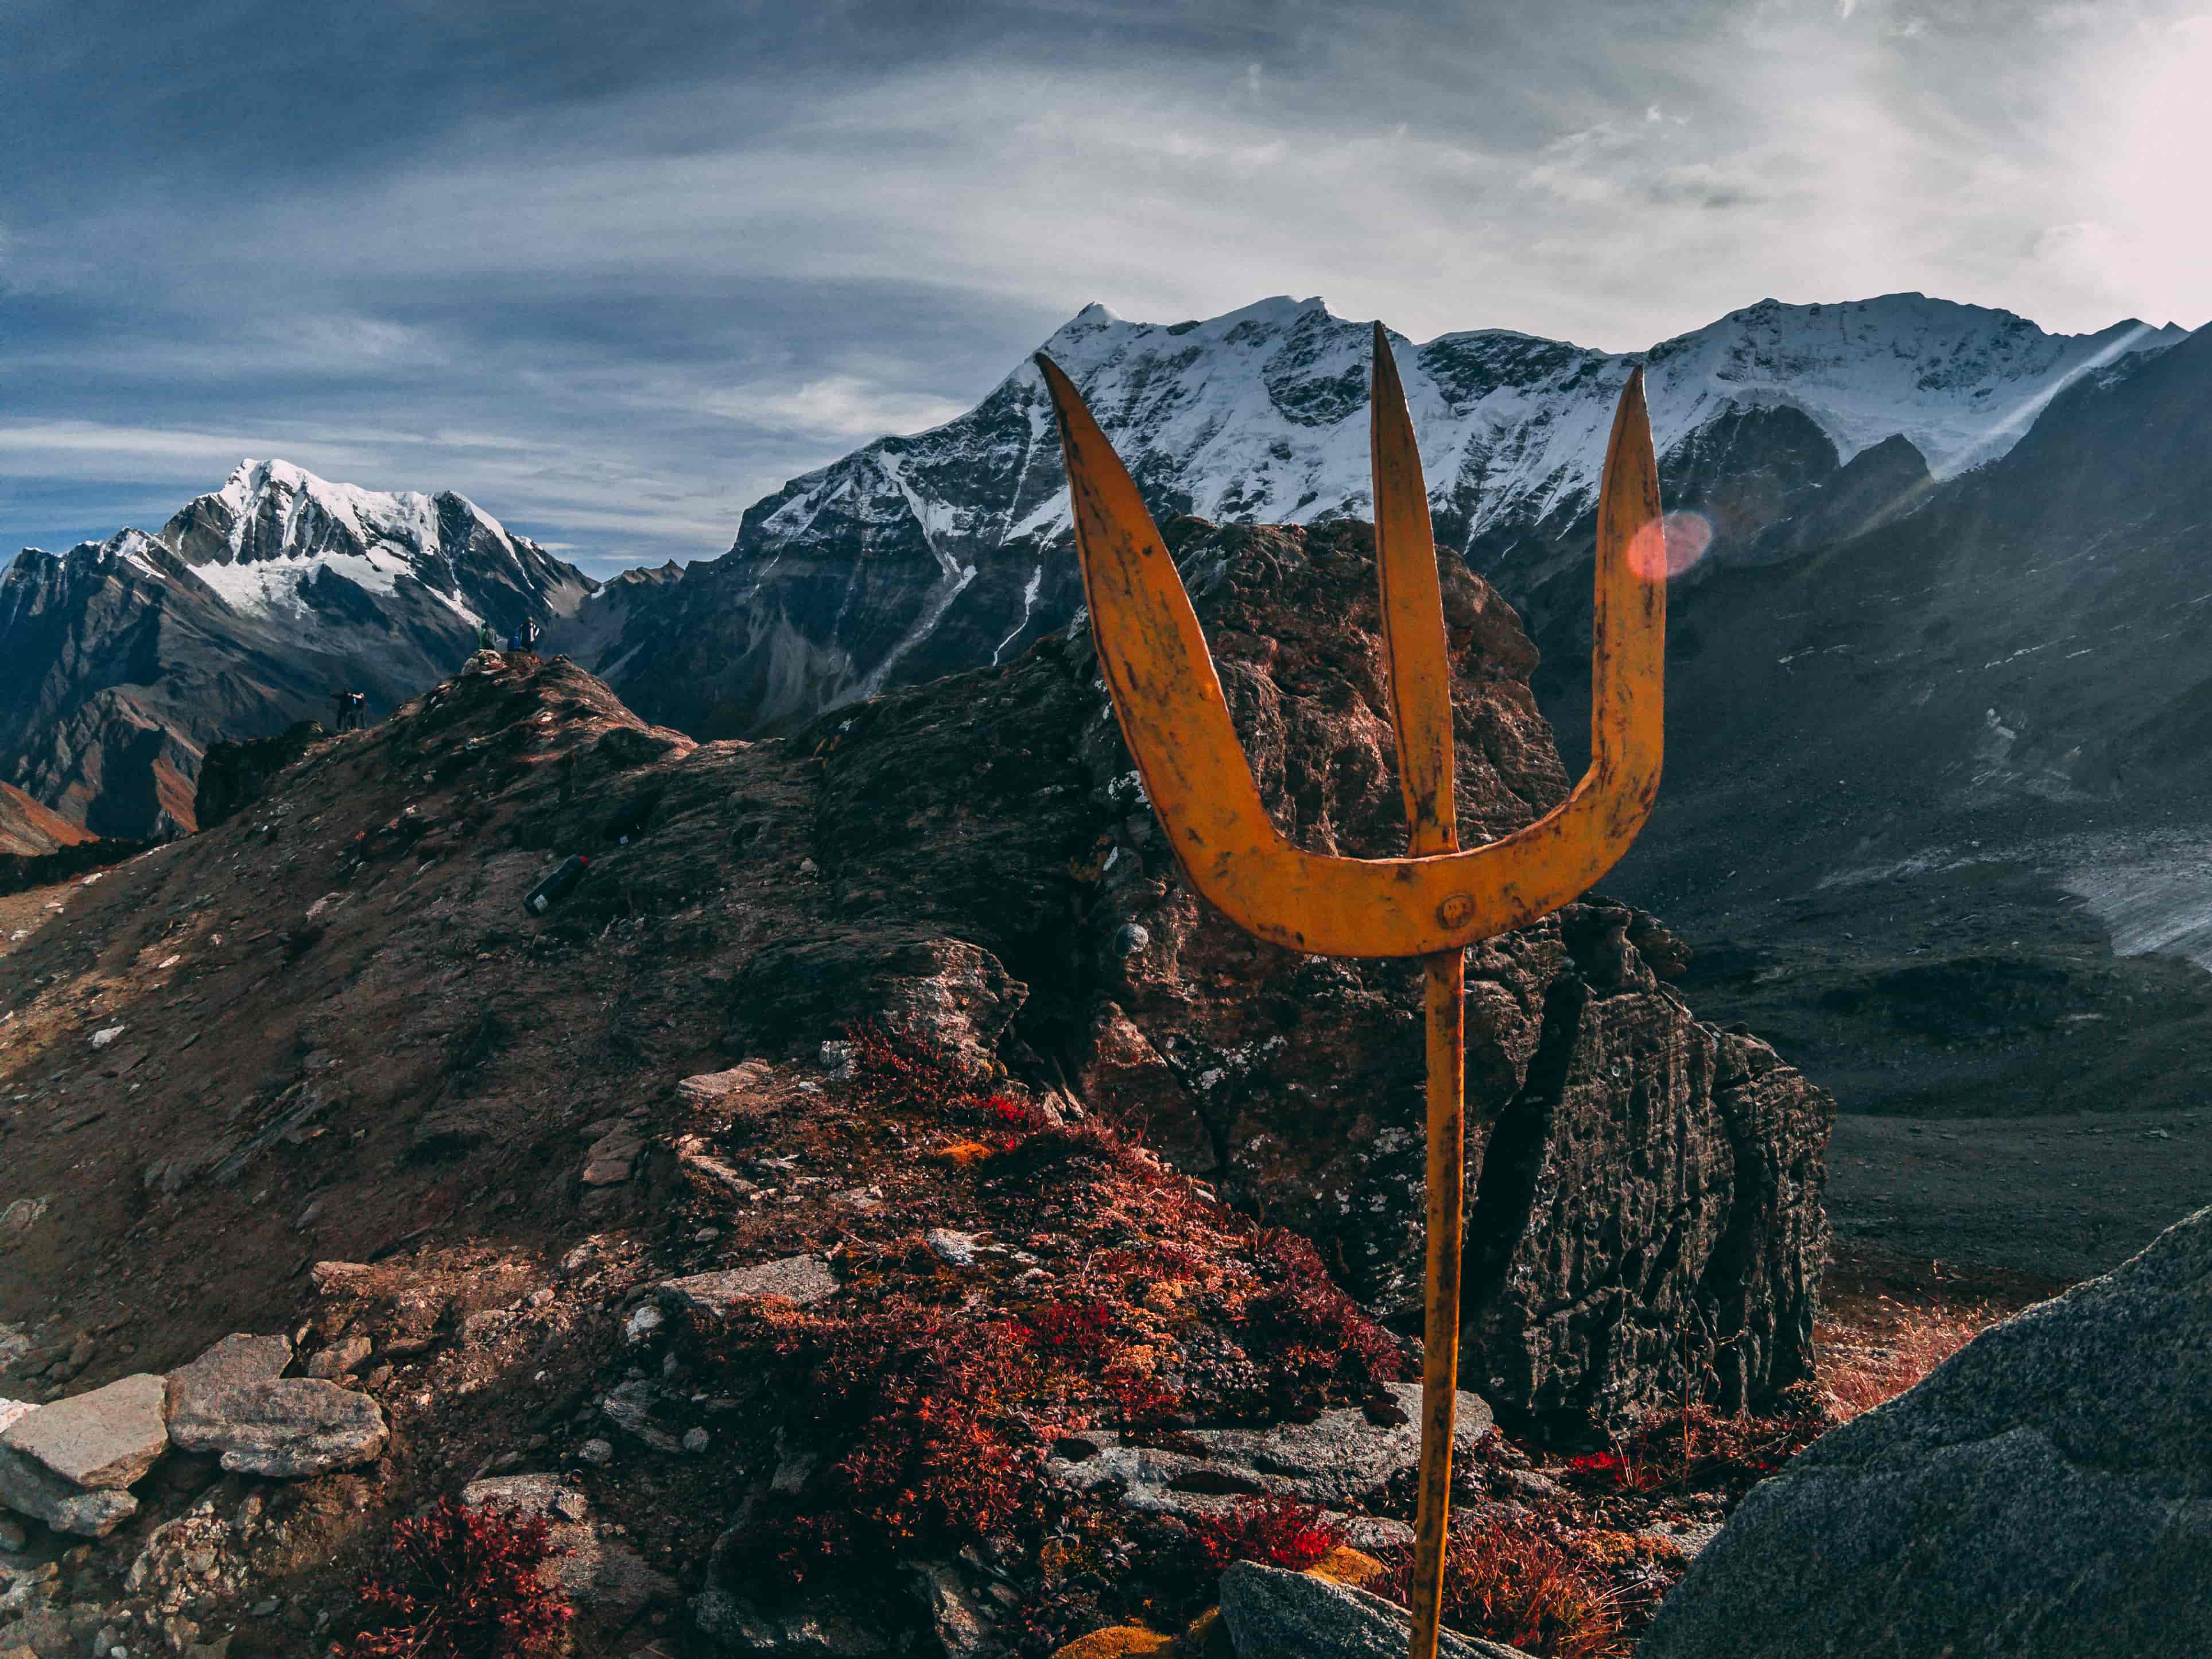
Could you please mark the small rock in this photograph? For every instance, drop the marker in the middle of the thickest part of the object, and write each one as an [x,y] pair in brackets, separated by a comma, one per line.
[100,1039]
[286,1428]
[837,1060]
[696,1440]
[13,1538]
[714,1091]
[799,1279]
[1531,1484]
[340,1358]
[1132,938]
[237,1358]
[644,1319]
[956,1248]
[597,1452]
[30,1488]
[950,1610]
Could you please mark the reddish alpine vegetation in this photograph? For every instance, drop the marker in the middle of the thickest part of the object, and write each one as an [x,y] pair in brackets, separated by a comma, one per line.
[1272,1531]
[461,1583]
[1518,1586]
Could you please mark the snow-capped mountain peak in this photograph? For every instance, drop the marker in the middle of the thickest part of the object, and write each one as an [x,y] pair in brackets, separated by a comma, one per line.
[238,616]
[919,554]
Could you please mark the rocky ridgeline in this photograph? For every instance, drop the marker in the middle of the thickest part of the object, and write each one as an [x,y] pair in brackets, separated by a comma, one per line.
[895,1041]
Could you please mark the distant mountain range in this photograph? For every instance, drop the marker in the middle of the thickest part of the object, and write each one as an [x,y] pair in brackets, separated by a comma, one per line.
[916,555]
[1789,429]
[120,661]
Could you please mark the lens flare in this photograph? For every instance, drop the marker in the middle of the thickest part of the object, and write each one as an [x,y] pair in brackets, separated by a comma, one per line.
[1669,545]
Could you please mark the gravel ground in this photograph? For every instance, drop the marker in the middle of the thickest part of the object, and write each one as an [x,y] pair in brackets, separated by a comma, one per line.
[2065,1197]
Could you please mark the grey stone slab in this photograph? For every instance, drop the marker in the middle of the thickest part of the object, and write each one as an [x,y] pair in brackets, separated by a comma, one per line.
[2045,1493]
[1271,1614]
[287,1428]
[103,1439]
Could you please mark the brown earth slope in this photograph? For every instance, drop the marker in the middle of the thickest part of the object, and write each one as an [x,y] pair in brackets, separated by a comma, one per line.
[29,829]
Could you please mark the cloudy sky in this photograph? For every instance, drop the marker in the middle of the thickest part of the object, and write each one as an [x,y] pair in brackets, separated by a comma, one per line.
[614,270]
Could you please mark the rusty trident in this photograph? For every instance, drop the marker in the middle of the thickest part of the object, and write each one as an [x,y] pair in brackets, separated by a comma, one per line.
[1439,899]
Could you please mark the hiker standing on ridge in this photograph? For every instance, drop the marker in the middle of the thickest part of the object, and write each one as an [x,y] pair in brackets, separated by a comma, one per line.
[348,705]
[486,640]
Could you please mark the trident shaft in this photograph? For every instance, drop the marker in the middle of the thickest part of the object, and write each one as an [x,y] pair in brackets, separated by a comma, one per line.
[1439,899]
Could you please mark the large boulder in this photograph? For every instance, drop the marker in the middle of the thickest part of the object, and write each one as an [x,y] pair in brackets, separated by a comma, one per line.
[1271,1614]
[2045,1494]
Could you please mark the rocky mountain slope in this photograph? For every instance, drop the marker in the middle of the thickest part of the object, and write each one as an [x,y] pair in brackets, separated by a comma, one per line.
[1936,811]
[907,1020]
[919,556]
[29,831]
[121,660]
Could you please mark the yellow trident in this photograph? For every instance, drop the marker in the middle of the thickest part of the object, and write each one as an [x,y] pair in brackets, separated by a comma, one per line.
[1439,899]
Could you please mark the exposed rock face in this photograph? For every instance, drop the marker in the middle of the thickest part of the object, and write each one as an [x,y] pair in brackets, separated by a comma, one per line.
[2046,1492]
[235,772]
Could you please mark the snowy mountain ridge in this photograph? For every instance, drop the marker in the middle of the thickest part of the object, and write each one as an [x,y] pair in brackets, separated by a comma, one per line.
[1261,414]
[121,659]
[915,555]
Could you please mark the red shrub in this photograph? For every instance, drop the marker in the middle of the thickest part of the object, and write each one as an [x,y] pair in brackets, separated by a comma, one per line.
[1310,1336]
[911,1403]
[893,1071]
[1272,1531]
[461,1583]
[1015,1113]
[1696,1449]
[1524,1590]
[1079,1330]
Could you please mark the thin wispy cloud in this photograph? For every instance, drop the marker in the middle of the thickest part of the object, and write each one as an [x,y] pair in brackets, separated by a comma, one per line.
[617,277]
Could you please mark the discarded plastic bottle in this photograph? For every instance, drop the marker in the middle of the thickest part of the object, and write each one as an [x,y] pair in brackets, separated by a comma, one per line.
[549,891]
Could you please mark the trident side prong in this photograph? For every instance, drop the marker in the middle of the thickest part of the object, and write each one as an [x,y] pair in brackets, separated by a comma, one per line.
[1439,899]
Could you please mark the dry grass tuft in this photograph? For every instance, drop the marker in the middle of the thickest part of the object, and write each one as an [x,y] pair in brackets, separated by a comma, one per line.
[1518,1586]
[1864,1366]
